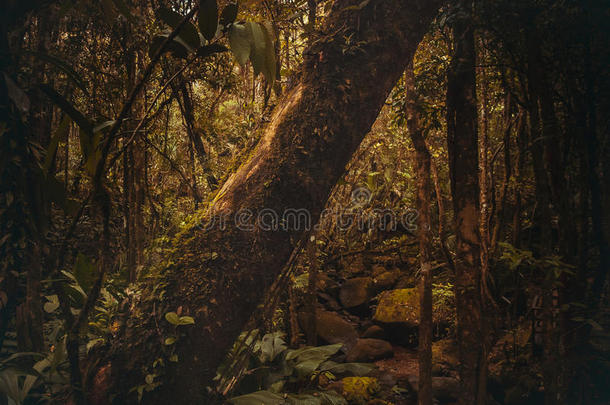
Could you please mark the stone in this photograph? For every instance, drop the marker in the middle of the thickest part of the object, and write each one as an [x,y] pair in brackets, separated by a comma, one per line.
[401,306]
[444,389]
[332,328]
[444,357]
[374,332]
[356,292]
[386,280]
[369,350]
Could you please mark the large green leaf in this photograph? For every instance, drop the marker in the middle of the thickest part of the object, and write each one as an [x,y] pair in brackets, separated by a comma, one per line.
[175,47]
[188,33]
[257,56]
[61,65]
[240,42]
[270,67]
[259,398]
[61,133]
[68,108]
[271,345]
[314,353]
[229,14]
[208,18]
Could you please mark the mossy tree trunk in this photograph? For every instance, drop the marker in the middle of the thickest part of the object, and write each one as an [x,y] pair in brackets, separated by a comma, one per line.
[219,274]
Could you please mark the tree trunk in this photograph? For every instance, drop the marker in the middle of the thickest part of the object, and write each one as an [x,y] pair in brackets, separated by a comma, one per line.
[221,273]
[462,142]
[424,188]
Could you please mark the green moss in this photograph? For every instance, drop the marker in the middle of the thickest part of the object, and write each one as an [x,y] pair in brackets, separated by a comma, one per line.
[402,306]
[360,389]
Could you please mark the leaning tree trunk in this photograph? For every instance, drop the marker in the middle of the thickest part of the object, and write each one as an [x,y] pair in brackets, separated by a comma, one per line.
[462,145]
[222,269]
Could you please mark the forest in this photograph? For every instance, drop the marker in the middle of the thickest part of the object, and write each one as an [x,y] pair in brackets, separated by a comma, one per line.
[304,202]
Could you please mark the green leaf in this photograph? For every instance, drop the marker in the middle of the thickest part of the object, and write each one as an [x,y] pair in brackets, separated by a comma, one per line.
[229,14]
[68,108]
[186,320]
[314,353]
[307,367]
[257,56]
[208,50]
[188,33]
[170,341]
[103,125]
[355,369]
[52,304]
[208,18]
[240,42]
[61,133]
[258,398]
[270,67]
[63,66]
[271,345]
[175,47]
[16,94]
[172,318]
[84,271]
[173,358]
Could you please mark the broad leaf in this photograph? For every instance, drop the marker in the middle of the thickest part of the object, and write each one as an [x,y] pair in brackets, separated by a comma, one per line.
[208,18]
[229,14]
[257,56]
[172,318]
[259,398]
[240,42]
[188,33]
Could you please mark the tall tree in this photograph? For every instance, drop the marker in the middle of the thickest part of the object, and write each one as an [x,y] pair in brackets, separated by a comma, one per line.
[462,145]
[424,187]
[346,77]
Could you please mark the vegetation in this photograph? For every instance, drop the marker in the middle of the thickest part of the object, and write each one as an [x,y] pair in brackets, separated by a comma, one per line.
[304,202]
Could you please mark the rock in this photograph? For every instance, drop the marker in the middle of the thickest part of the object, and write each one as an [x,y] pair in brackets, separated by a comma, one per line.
[330,302]
[378,269]
[402,307]
[327,285]
[356,292]
[386,280]
[443,388]
[332,328]
[374,332]
[359,389]
[406,281]
[444,357]
[369,350]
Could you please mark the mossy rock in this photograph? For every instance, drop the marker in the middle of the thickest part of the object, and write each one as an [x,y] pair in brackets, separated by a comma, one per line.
[356,292]
[359,390]
[444,356]
[402,307]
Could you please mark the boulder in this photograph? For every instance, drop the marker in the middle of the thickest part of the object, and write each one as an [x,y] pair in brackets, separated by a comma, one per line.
[356,292]
[444,357]
[369,350]
[332,328]
[374,332]
[402,307]
[386,280]
[444,389]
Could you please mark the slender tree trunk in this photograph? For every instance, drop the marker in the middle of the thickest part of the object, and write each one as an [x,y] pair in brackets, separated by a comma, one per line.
[424,188]
[462,141]
[300,157]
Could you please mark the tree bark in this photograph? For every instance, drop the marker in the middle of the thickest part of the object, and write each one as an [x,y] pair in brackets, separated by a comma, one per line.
[462,142]
[424,188]
[220,275]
